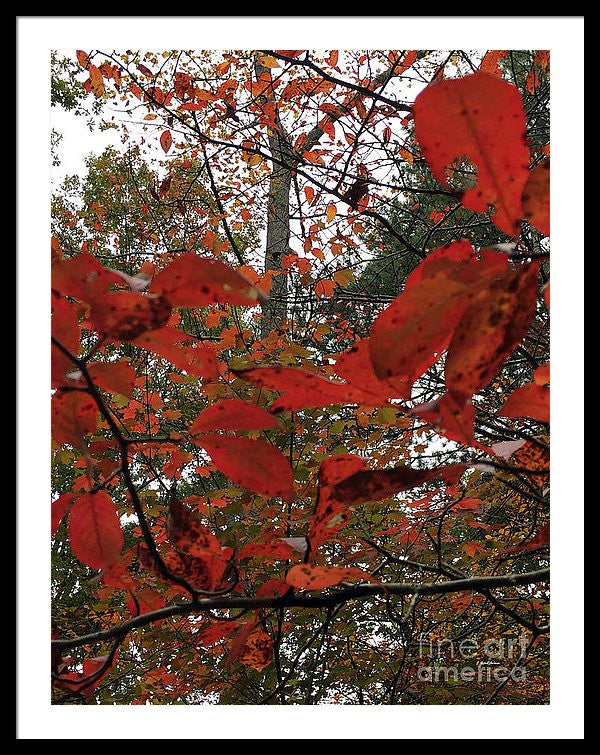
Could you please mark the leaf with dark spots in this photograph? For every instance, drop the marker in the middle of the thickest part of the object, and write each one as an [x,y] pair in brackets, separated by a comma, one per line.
[124,315]
[496,319]
[479,117]
[187,534]
[377,484]
[411,334]
[307,577]
[74,415]
[194,281]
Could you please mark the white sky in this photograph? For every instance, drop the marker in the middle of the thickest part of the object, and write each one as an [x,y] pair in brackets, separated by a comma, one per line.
[36,37]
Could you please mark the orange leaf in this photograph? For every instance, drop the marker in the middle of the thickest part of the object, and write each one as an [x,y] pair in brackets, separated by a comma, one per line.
[324,289]
[528,401]
[166,140]
[308,577]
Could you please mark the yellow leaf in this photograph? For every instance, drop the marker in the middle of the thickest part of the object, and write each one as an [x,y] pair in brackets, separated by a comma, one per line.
[331,212]
[268,61]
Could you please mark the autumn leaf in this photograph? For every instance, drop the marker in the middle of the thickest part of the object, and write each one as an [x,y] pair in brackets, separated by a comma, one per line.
[301,389]
[187,534]
[114,377]
[536,198]
[528,401]
[169,343]
[166,140]
[275,549]
[95,531]
[232,414]
[324,289]
[377,484]
[307,577]
[194,281]
[253,464]
[126,314]
[495,320]
[411,334]
[331,515]
[59,508]
[74,415]
[66,330]
[479,117]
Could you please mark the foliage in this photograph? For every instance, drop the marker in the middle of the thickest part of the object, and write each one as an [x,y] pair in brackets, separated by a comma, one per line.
[300,370]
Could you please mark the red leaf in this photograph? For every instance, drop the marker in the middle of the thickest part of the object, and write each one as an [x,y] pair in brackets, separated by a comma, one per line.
[253,464]
[67,332]
[126,314]
[330,515]
[273,588]
[202,573]
[528,401]
[74,415]
[536,198]
[95,531]
[194,281]
[480,117]
[144,601]
[541,376]
[275,549]
[58,510]
[376,484]
[197,359]
[496,319]
[302,389]
[166,140]
[82,277]
[410,335]
[307,577]
[114,377]
[540,540]
[232,414]
[82,58]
